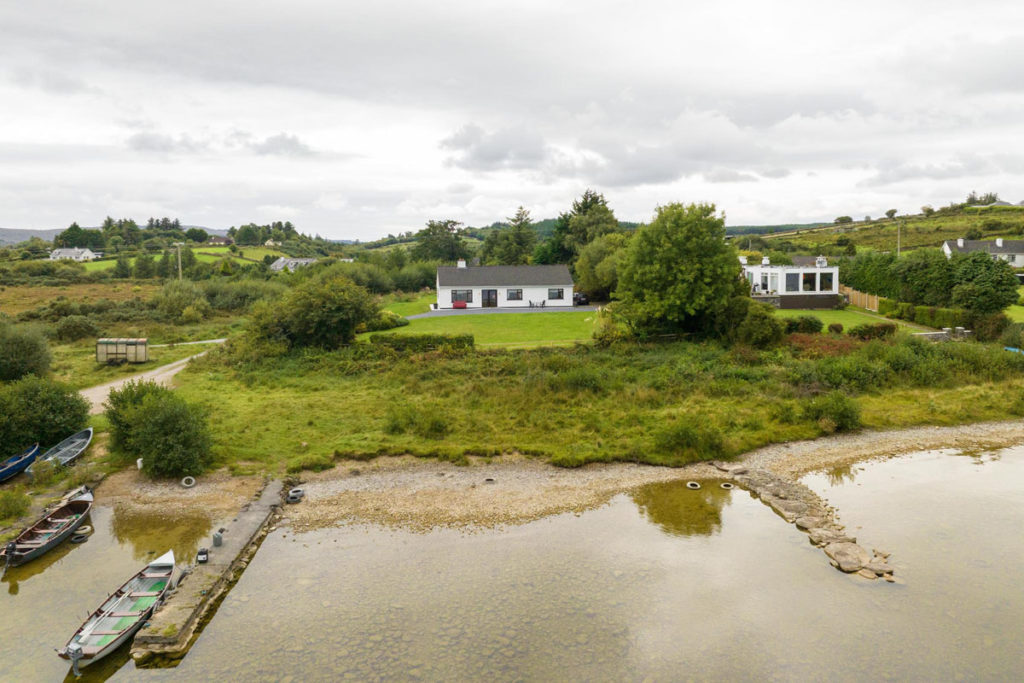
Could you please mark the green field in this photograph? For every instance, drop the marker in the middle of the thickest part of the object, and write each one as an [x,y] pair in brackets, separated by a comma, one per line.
[519,330]
[409,304]
[75,364]
[916,231]
[203,255]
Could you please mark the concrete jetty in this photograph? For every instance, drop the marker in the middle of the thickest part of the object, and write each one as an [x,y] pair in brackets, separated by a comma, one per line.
[169,633]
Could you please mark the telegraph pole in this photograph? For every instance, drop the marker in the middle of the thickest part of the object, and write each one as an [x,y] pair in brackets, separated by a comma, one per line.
[178,245]
[899,227]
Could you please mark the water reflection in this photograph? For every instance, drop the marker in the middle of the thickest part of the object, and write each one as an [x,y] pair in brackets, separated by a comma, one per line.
[153,533]
[844,474]
[17,575]
[681,511]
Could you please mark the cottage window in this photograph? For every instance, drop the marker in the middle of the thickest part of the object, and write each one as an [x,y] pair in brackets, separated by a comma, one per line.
[555,294]
[792,282]
[809,282]
[514,295]
[462,295]
[826,282]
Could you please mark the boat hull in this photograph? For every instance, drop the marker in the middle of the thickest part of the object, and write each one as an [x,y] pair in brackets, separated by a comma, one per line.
[112,646]
[19,560]
[68,450]
[18,464]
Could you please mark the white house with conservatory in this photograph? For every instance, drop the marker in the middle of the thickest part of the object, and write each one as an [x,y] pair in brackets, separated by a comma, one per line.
[463,286]
[793,286]
[73,254]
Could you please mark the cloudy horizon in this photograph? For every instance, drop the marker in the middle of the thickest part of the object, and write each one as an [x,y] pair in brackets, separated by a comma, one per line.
[355,120]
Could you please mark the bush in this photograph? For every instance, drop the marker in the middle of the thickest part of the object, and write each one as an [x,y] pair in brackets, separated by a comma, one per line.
[170,435]
[118,405]
[873,331]
[226,295]
[385,320]
[1013,335]
[176,296]
[418,343]
[886,306]
[75,327]
[834,412]
[691,440]
[835,328]
[760,328]
[804,324]
[38,410]
[986,327]
[23,351]
[14,503]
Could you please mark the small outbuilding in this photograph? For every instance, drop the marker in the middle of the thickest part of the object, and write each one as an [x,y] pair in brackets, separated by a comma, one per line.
[465,286]
[115,351]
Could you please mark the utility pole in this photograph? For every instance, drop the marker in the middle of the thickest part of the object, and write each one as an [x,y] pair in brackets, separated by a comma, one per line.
[178,245]
[899,227]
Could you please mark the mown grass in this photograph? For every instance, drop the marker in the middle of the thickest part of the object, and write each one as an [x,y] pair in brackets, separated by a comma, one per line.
[667,404]
[520,330]
[410,304]
[14,300]
[916,231]
[848,317]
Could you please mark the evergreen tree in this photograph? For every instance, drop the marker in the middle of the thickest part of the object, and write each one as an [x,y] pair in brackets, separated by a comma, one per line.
[145,267]
[123,268]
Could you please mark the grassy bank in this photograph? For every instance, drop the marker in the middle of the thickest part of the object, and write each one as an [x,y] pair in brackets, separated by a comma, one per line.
[667,404]
[848,317]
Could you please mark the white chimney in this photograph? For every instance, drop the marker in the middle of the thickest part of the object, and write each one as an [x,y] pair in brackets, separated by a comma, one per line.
[959,241]
[999,241]
[461,263]
[765,261]
[743,260]
[821,262]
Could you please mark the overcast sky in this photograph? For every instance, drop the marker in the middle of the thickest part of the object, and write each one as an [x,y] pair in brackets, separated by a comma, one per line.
[356,119]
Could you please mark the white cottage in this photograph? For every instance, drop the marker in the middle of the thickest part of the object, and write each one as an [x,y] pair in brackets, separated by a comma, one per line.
[1011,251]
[73,254]
[465,286]
[796,286]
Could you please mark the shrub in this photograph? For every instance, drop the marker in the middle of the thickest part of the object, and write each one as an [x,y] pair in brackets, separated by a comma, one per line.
[176,296]
[118,405]
[691,440]
[760,328]
[23,351]
[225,295]
[835,328]
[75,327]
[986,327]
[805,324]
[886,306]
[873,330]
[417,343]
[834,409]
[38,410]
[14,503]
[385,320]
[1013,335]
[170,435]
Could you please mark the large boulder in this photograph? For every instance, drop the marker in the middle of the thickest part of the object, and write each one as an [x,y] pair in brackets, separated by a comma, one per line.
[849,556]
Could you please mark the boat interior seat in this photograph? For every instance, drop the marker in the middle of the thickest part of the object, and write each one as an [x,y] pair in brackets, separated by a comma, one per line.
[126,614]
[146,594]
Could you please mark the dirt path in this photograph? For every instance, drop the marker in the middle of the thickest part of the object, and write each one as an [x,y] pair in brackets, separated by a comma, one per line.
[161,375]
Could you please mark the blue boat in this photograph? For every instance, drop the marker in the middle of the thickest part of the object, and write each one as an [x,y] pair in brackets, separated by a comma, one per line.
[15,464]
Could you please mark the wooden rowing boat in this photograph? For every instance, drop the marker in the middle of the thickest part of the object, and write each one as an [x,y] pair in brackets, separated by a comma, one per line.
[67,450]
[48,532]
[121,614]
[15,464]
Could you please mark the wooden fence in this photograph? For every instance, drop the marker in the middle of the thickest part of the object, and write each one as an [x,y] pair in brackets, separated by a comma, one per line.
[868,301]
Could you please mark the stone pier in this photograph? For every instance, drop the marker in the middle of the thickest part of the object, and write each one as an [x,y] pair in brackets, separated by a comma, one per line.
[798,505]
[170,630]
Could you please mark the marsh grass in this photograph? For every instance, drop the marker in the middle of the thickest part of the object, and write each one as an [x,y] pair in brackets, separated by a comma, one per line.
[662,404]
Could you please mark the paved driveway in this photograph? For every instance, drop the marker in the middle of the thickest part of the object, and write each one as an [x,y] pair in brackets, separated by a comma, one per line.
[445,312]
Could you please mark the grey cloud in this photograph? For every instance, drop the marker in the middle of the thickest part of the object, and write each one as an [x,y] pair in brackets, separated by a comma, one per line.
[890,172]
[149,141]
[969,65]
[283,144]
[727,175]
[507,148]
[775,173]
[49,80]
[459,188]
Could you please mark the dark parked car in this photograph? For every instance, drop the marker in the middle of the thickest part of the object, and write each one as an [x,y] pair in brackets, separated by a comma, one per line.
[579,299]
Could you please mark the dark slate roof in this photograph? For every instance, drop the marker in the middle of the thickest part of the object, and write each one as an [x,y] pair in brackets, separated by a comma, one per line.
[988,246]
[804,260]
[502,276]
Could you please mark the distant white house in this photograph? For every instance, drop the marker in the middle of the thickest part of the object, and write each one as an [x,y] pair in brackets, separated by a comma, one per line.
[807,285]
[73,254]
[291,264]
[465,286]
[1011,251]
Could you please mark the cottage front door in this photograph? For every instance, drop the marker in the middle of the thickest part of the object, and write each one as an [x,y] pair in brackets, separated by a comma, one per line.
[489,298]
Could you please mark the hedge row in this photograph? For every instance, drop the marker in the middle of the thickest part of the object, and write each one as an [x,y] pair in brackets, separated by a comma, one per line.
[423,342]
[929,316]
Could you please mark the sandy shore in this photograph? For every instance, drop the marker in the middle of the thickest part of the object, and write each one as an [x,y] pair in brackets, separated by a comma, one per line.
[421,494]
[217,494]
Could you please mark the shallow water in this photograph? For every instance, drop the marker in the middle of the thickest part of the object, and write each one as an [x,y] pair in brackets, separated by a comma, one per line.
[663,583]
[43,602]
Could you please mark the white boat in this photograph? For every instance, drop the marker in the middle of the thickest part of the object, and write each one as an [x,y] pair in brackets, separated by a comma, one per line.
[121,615]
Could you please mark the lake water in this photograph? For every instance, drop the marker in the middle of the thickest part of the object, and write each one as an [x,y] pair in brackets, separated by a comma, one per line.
[663,583]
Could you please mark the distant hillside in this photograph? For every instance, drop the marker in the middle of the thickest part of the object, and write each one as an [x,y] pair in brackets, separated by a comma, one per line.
[16,235]
[914,231]
[769,229]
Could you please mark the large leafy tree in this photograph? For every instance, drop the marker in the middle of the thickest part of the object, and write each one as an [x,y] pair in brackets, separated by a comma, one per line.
[597,269]
[197,235]
[513,245]
[440,241]
[589,219]
[679,272]
[924,276]
[983,284]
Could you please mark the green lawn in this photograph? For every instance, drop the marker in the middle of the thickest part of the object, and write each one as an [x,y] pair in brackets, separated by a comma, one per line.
[410,304]
[848,317]
[203,255]
[520,330]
